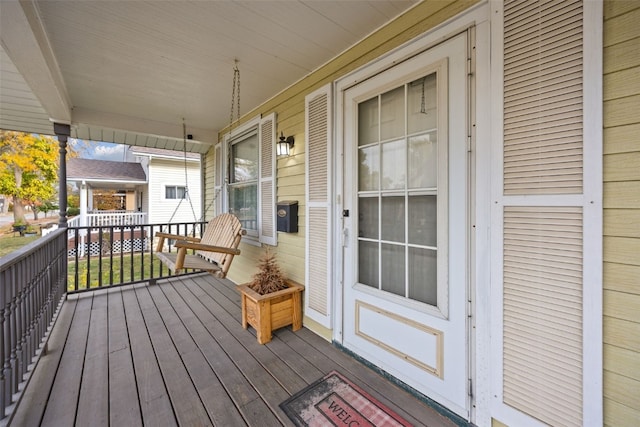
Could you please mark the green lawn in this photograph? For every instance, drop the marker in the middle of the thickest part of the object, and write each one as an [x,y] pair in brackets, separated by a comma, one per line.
[108,270]
[10,244]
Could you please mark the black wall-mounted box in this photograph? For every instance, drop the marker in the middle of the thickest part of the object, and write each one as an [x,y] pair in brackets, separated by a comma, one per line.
[288,216]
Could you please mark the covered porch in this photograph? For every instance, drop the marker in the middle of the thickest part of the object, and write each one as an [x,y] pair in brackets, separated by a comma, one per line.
[175,353]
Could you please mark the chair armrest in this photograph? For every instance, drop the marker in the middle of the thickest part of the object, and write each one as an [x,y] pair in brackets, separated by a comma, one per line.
[203,247]
[161,236]
[177,237]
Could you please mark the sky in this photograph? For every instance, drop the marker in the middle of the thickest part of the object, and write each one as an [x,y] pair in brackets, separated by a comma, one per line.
[99,150]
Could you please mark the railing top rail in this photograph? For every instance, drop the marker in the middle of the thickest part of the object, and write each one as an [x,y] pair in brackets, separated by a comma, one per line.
[23,252]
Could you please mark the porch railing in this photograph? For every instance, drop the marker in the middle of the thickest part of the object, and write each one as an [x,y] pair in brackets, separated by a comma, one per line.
[118,255]
[110,218]
[32,283]
[34,279]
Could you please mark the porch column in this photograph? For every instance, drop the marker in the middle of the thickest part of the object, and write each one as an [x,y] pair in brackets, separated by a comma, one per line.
[62,131]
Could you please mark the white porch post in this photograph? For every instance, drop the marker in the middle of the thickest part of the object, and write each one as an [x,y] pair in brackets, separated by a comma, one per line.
[83,217]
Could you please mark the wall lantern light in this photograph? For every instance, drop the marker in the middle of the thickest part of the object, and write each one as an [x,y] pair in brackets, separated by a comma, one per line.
[284,145]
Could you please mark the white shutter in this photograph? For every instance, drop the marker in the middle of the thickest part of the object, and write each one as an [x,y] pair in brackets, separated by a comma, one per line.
[547,208]
[318,114]
[267,181]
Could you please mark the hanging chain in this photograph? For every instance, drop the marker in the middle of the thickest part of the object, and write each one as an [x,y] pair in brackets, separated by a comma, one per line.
[423,108]
[235,95]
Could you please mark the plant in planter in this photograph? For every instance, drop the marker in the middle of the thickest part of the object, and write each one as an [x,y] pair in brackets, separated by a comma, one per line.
[20,227]
[30,230]
[270,301]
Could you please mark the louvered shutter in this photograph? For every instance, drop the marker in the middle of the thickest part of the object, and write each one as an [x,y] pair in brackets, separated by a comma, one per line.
[267,181]
[543,212]
[318,115]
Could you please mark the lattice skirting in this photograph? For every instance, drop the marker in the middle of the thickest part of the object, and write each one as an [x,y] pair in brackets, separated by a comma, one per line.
[105,247]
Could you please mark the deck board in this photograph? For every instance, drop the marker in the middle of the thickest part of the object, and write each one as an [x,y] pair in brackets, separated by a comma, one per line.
[93,408]
[63,400]
[123,394]
[36,397]
[175,353]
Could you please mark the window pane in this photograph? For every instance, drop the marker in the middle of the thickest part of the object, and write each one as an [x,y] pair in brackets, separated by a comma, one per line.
[393,269]
[243,202]
[423,161]
[244,159]
[423,220]
[421,104]
[394,159]
[368,122]
[180,192]
[170,192]
[423,275]
[368,263]
[393,219]
[368,168]
[392,114]
[368,217]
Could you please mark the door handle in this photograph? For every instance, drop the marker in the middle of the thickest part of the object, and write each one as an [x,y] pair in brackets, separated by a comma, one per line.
[345,237]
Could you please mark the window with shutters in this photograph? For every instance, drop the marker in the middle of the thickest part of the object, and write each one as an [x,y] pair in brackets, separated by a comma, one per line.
[246,163]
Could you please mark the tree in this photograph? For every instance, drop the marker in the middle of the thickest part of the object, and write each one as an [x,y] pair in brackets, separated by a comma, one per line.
[28,170]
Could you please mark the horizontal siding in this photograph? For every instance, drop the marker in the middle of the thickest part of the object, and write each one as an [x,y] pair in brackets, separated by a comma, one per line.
[622,139]
[289,107]
[167,172]
[621,298]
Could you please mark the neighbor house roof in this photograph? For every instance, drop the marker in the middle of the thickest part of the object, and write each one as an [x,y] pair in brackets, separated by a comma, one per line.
[159,152]
[90,169]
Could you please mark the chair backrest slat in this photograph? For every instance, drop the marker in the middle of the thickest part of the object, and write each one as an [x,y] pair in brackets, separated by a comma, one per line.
[223,230]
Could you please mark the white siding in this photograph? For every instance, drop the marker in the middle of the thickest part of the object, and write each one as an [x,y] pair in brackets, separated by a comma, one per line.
[164,172]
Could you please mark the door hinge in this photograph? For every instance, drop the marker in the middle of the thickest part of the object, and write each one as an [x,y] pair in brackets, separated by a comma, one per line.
[470,391]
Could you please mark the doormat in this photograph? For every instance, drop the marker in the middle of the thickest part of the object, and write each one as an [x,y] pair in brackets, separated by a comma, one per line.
[336,401]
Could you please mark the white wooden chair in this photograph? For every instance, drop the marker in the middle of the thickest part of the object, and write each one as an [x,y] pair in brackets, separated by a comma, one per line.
[214,251]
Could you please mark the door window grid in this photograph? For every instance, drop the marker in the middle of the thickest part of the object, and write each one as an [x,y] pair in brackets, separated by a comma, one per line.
[397,214]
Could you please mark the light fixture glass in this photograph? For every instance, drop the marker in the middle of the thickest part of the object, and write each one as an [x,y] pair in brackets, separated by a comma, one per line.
[284,145]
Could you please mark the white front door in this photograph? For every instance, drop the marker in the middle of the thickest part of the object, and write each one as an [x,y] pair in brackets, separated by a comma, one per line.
[406,173]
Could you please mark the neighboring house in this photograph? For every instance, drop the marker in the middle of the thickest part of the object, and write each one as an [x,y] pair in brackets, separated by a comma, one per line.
[174,189]
[449,170]
[92,175]
[160,185]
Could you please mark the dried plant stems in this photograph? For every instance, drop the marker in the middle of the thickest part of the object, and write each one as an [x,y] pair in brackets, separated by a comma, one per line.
[269,277]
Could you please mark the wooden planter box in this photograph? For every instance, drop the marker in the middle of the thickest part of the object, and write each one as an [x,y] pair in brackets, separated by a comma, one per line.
[269,312]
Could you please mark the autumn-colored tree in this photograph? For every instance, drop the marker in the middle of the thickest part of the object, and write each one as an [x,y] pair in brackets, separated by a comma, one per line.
[28,170]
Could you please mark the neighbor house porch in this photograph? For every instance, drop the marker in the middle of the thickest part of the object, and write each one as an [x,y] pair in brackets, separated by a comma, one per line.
[174,353]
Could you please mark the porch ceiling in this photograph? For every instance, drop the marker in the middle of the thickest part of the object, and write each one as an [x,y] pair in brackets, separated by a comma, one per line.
[129,72]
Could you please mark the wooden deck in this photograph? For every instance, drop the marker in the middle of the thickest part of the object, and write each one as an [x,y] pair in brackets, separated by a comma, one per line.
[176,354]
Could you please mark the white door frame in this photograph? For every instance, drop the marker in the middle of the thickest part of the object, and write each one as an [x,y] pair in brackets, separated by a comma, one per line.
[479,344]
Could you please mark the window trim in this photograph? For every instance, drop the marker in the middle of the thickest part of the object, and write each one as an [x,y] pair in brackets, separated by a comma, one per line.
[167,186]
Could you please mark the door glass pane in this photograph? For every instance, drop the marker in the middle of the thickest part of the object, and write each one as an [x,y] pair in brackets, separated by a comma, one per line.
[393,219]
[423,220]
[423,161]
[421,104]
[368,168]
[368,263]
[392,114]
[393,269]
[368,122]
[368,217]
[394,159]
[398,185]
[423,275]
